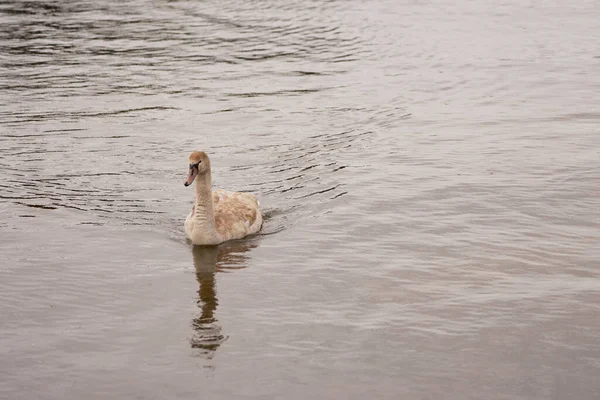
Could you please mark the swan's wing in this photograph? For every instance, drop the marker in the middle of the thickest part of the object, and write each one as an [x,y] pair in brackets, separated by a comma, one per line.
[236,214]
[189,223]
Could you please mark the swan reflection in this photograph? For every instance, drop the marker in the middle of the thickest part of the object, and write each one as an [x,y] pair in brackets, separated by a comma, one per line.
[208,260]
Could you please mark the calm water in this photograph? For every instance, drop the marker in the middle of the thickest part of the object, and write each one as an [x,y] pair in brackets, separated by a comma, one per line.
[430,173]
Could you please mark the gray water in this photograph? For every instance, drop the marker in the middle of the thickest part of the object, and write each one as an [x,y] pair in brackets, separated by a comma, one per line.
[429,172]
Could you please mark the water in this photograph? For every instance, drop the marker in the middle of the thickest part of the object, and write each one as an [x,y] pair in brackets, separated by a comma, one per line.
[429,173]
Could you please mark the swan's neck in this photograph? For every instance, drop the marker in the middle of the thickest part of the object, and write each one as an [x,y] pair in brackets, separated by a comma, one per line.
[204,216]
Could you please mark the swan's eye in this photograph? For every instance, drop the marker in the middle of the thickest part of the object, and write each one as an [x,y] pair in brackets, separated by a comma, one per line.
[195,165]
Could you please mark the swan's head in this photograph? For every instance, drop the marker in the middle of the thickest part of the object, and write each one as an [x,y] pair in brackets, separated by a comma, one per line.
[199,165]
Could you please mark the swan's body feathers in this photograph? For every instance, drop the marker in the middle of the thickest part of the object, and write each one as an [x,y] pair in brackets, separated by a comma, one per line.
[236,214]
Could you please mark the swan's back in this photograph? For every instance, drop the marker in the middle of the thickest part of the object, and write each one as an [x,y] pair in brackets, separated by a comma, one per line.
[236,214]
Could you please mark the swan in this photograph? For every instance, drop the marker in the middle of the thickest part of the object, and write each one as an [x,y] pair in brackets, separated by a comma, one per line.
[221,215]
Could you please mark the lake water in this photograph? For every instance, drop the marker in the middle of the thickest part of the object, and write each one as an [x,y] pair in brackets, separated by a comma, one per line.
[429,171]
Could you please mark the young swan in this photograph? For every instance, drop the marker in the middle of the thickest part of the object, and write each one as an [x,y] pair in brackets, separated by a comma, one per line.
[221,215]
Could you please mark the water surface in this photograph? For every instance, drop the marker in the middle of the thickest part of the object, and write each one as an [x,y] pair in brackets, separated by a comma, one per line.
[429,173]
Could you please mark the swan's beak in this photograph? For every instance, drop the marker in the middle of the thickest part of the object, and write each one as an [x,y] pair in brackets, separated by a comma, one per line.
[191,176]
